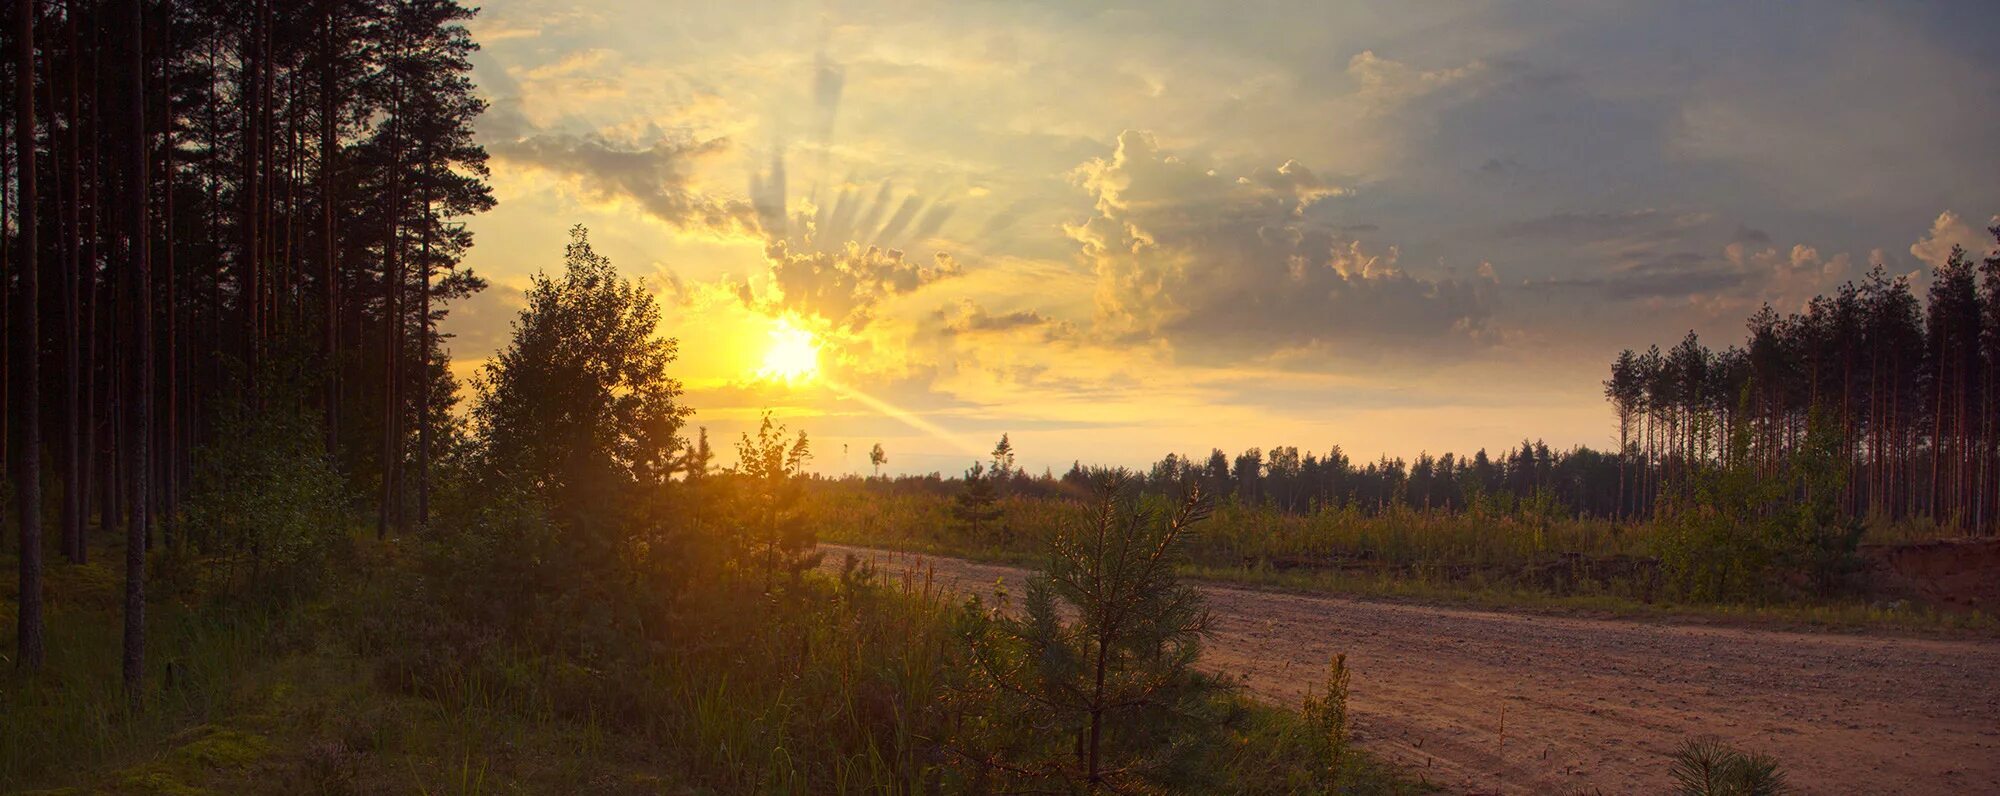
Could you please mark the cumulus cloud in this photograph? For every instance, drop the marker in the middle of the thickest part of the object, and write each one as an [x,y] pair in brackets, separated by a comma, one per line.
[842,287]
[1949,230]
[1239,266]
[1788,277]
[656,176]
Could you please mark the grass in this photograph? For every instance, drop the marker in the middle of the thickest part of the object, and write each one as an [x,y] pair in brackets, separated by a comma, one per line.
[1833,615]
[1545,564]
[845,689]
[270,702]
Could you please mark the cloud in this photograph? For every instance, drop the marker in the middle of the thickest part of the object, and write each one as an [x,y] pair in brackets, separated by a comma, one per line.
[1582,226]
[1675,275]
[656,176]
[968,319]
[1242,266]
[842,287]
[1388,81]
[1295,181]
[1746,272]
[1947,231]
[1788,278]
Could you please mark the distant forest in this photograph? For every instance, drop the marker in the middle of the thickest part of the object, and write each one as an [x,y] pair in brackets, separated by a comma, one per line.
[1912,388]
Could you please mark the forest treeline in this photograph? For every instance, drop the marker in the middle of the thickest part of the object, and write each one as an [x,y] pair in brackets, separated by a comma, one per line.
[1909,387]
[214,204]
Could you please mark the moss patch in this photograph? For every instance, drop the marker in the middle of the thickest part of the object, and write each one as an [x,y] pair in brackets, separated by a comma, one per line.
[157,781]
[221,748]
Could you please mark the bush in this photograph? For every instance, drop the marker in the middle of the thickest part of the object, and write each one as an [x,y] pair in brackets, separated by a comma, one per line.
[1736,528]
[267,501]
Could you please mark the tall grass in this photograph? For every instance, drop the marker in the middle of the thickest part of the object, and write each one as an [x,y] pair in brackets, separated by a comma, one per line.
[1486,558]
[72,714]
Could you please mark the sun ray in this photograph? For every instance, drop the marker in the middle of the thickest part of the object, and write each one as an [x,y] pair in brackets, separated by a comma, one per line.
[906,417]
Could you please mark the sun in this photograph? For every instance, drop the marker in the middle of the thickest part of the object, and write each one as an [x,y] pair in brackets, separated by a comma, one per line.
[793,356]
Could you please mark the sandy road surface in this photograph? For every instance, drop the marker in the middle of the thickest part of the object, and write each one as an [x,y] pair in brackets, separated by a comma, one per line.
[1594,705]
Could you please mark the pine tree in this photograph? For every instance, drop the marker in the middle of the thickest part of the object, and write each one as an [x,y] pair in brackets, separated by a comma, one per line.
[976,506]
[1003,459]
[1102,662]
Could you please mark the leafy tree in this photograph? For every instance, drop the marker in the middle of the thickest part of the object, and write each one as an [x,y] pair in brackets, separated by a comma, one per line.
[1247,475]
[1626,395]
[1215,474]
[1102,659]
[579,408]
[878,457]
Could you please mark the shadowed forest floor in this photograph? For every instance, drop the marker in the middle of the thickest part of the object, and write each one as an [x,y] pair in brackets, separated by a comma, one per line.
[254,701]
[1485,701]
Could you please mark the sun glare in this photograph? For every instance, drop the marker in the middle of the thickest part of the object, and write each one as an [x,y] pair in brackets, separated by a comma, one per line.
[793,356]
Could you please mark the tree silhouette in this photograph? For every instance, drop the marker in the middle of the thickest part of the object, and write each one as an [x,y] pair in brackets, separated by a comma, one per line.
[1003,459]
[976,506]
[771,465]
[579,407]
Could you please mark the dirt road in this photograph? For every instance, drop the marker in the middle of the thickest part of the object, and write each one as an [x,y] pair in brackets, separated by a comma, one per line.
[1488,702]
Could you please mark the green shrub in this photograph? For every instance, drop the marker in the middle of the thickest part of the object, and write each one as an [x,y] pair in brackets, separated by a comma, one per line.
[266,503]
[1737,530]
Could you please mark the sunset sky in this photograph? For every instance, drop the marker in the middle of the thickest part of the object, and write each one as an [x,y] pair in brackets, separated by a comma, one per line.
[1115,231]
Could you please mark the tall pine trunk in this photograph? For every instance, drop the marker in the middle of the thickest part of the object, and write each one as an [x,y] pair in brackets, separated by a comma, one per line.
[250,276]
[75,408]
[392,322]
[137,233]
[169,456]
[329,110]
[27,336]
[424,372]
